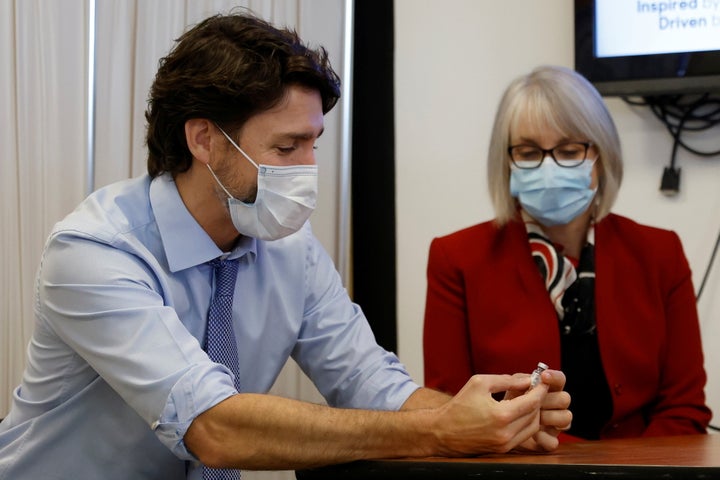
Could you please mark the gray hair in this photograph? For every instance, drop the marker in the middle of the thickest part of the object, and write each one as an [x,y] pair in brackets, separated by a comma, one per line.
[563,100]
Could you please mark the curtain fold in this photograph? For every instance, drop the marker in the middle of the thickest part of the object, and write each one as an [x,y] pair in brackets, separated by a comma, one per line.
[43,146]
[12,329]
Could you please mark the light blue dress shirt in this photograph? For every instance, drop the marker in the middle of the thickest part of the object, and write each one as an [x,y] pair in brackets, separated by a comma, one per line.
[116,372]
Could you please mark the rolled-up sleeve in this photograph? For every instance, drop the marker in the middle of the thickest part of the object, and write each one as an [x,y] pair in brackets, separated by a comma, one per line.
[114,317]
[187,399]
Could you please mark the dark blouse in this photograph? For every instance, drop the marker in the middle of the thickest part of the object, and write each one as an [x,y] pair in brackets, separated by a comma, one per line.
[580,355]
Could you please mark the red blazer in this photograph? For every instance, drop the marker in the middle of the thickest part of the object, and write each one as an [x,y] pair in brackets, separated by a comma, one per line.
[487,311]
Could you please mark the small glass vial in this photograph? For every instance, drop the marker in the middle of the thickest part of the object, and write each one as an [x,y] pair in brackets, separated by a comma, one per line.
[535,375]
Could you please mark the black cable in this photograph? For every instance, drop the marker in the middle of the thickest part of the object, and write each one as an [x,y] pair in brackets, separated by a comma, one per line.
[680,113]
[684,113]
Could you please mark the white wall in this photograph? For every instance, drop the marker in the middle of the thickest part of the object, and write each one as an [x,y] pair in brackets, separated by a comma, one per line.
[453,60]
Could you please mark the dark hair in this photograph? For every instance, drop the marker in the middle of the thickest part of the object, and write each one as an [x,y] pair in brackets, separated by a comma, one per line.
[227,68]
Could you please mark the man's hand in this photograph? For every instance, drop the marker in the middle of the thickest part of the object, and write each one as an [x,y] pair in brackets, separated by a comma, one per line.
[554,414]
[474,423]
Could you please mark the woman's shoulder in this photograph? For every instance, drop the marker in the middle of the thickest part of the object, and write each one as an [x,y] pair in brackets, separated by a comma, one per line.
[481,237]
[619,233]
[475,232]
[635,230]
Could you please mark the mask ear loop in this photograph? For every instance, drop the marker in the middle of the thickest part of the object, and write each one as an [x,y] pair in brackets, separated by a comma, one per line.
[237,147]
[217,180]
[232,142]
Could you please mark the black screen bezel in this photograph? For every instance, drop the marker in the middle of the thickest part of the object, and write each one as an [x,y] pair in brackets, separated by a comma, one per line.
[641,75]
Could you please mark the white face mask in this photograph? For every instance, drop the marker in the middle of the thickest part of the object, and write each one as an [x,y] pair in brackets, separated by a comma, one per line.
[286,196]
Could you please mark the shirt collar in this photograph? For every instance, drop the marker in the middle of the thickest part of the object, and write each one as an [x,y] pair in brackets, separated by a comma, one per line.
[185,242]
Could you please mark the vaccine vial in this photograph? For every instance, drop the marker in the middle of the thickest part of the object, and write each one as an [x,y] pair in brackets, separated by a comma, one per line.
[535,376]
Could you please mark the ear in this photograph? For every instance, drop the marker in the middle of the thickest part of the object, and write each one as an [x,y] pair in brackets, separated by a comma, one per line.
[198,135]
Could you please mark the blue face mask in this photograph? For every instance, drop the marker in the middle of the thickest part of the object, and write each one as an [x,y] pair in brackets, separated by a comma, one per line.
[551,194]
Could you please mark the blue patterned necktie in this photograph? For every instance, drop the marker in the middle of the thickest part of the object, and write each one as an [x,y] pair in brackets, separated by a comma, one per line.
[220,345]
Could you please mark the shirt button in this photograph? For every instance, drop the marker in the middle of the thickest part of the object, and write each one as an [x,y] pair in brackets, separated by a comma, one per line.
[618,389]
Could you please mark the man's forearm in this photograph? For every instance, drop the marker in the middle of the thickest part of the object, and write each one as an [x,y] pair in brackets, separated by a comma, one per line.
[263,432]
[253,431]
[425,398]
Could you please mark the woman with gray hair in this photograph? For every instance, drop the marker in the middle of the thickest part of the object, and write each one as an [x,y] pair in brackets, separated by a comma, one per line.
[557,278]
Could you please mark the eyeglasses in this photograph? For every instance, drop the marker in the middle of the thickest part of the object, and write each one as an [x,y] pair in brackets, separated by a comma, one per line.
[566,155]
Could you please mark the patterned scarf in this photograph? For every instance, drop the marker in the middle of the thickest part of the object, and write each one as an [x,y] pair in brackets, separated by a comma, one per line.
[571,289]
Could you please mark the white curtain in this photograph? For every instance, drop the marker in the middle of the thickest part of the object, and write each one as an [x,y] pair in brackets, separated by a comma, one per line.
[49,151]
[42,142]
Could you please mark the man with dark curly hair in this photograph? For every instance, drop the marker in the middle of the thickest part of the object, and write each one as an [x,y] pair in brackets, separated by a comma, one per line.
[133,374]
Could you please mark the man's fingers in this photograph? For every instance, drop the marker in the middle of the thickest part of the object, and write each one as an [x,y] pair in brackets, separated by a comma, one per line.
[557,401]
[554,379]
[559,419]
[502,383]
[545,440]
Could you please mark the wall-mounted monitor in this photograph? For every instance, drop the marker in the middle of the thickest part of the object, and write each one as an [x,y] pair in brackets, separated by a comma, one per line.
[647,48]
